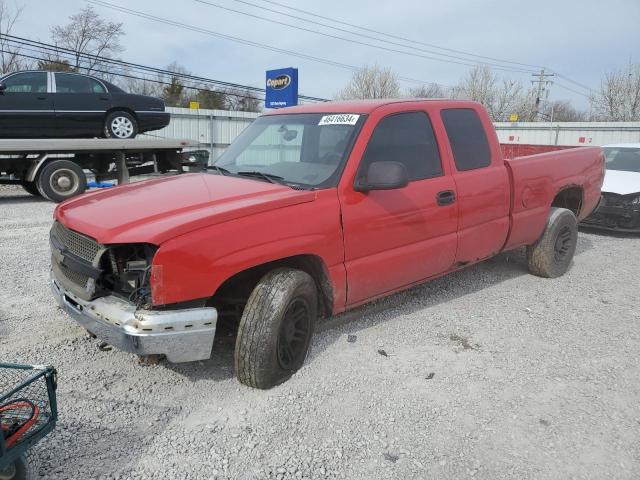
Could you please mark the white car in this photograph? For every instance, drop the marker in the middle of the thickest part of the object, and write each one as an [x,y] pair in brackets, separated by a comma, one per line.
[620,205]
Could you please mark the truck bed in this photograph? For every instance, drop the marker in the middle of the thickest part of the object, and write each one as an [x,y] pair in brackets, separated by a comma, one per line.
[537,180]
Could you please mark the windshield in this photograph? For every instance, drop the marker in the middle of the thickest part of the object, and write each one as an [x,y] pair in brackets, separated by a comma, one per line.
[626,159]
[300,149]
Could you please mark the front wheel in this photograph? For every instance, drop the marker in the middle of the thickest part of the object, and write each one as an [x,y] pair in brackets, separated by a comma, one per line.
[121,125]
[276,328]
[551,255]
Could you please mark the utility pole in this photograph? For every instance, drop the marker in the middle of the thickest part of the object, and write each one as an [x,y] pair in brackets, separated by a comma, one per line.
[543,84]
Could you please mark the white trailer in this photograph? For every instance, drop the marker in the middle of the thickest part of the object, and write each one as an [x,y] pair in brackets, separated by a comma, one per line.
[56,168]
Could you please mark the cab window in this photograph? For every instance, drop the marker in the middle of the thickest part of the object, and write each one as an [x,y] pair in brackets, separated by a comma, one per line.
[407,138]
[467,138]
[27,82]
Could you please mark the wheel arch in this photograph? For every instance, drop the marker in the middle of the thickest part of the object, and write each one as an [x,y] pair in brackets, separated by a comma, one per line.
[570,197]
[128,110]
[239,286]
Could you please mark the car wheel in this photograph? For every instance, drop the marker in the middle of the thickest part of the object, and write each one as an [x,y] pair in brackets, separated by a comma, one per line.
[60,180]
[121,125]
[551,255]
[276,328]
[32,188]
[22,469]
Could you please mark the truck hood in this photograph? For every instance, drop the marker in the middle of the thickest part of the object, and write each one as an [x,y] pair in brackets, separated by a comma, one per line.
[154,211]
[621,182]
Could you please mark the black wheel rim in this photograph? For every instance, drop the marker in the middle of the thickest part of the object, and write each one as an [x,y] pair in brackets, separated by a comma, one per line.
[293,335]
[564,240]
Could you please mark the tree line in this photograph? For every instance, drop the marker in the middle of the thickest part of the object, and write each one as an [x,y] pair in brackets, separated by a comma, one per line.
[617,99]
[93,42]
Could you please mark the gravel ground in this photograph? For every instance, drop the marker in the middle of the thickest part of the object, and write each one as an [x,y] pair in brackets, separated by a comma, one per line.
[490,373]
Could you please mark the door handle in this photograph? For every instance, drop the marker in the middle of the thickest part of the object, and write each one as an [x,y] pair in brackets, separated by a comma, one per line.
[42,97]
[446,197]
[104,98]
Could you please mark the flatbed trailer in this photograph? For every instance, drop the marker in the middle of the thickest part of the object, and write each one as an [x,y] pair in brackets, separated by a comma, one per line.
[56,168]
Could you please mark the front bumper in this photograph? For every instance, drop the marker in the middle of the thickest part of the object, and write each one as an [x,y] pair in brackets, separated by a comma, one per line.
[180,335]
[614,218]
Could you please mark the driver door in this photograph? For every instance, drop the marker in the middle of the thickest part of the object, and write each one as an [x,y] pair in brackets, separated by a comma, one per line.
[26,106]
[395,238]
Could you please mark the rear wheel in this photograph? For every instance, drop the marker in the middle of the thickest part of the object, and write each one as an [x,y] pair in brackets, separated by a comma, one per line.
[276,328]
[120,125]
[60,180]
[551,255]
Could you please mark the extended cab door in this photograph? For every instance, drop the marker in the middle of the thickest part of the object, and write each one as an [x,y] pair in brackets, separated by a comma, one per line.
[482,182]
[394,238]
[81,104]
[26,106]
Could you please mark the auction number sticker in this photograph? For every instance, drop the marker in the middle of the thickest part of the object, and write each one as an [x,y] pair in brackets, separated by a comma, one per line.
[339,119]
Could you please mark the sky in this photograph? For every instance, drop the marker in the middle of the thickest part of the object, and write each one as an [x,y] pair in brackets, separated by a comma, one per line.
[580,40]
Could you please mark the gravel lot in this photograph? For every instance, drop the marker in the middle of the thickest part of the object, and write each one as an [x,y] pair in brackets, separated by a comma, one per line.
[491,373]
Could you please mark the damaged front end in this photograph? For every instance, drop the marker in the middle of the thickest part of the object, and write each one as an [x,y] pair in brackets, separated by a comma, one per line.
[108,290]
[616,212]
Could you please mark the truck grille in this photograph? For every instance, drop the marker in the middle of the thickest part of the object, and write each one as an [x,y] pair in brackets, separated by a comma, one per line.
[82,247]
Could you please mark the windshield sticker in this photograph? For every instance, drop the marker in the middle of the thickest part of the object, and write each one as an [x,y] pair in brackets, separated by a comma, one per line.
[339,119]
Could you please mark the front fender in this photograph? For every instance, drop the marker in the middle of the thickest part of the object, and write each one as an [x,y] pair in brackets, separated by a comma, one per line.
[194,265]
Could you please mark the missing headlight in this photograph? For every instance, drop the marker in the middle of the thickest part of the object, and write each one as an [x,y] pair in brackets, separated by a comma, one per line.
[127,271]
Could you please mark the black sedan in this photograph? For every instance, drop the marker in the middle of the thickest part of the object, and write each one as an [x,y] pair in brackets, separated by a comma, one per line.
[38,104]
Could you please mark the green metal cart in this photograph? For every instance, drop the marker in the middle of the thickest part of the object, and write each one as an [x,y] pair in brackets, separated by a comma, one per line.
[28,412]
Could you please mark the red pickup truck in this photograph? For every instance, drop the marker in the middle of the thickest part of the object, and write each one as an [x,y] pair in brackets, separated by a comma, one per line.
[311,211]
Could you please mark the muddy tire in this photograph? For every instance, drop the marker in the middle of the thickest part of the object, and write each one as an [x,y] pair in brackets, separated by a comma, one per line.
[60,180]
[551,255]
[276,328]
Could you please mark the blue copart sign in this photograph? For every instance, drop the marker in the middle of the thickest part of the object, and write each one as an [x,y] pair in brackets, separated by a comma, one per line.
[282,88]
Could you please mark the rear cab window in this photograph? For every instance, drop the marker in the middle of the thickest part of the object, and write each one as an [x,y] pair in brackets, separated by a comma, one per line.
[407,138]
[467,138]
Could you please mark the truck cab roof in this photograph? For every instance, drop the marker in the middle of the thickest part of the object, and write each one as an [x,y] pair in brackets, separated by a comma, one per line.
[364,106]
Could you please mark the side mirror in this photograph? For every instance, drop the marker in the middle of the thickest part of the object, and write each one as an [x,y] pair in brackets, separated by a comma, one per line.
[3,87]
[383,176]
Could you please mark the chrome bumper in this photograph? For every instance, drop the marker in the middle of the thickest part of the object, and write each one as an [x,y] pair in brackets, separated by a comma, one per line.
[181,335]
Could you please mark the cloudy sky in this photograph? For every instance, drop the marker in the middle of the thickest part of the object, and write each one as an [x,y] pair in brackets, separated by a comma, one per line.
[580,40]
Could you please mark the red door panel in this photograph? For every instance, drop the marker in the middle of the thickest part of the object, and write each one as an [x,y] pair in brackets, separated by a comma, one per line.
[483,200]
[395,238]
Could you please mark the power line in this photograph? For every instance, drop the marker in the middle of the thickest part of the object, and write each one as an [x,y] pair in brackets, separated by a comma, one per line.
[55,50]
[572,90]
[378,32]
[397,37]
[157,81]
[574,82]
[251,43]
[357,42]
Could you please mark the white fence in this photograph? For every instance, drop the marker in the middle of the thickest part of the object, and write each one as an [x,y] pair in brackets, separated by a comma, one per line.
[569,133]
[214,130]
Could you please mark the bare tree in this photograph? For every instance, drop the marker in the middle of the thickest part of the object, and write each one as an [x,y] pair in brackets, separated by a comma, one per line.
[500,98]
[142,86]
[618,99]
[563,111]
[242,99]
[432,90]
[371,82]
[10,57]
[89,34]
